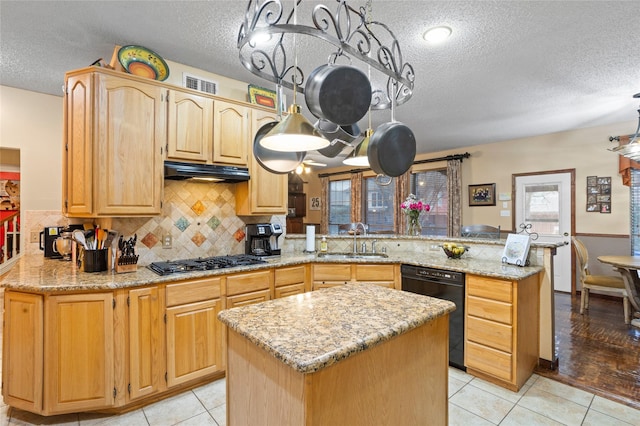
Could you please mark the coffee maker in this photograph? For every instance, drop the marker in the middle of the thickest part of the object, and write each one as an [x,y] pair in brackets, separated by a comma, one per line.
[262,239]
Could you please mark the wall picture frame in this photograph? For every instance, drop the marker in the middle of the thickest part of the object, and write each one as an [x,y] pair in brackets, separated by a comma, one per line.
[261,96]
[482,195]
[599,194]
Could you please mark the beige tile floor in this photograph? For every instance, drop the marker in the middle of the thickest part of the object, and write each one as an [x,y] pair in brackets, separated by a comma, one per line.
[471,402]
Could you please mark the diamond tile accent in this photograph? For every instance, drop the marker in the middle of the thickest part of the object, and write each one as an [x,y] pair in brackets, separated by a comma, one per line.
[149,240]
[182,224]
[198,208]
[214,222]
[198,239]
[239,235]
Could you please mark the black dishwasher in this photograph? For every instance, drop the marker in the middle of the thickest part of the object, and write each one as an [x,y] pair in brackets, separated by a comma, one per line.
[445,285]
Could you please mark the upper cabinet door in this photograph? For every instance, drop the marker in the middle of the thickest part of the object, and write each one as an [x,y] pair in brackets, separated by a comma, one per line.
[190,127]
[131,133]
[231,125]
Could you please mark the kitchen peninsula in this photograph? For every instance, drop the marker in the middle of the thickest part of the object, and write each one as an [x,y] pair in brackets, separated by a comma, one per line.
[355,354]
[117,341]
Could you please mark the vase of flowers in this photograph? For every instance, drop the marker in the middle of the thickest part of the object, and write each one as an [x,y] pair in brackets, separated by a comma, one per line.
[413,207]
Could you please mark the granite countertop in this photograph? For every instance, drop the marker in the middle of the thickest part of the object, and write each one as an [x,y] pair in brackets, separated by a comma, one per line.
[314,330]
[39,274]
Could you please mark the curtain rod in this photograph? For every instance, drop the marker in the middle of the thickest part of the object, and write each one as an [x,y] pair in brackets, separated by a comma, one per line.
[430,160]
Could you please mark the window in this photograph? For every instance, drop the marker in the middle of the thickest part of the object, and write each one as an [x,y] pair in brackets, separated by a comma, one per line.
[379,207]
[635,212]
[339,204]
[430,186]
[542,208]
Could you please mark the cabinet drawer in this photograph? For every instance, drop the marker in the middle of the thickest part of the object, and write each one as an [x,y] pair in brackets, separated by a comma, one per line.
[374,273]
[289,290]
[244,283]
[332,272]
[488,360]
[489,288]
[193,291]
[489,333]
[490,309]
[286,276]
[248,298]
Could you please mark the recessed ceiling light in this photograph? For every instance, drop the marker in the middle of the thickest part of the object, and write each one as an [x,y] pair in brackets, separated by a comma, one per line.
[437,34]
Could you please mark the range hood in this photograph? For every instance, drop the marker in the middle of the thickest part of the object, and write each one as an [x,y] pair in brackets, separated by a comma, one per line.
[207,172]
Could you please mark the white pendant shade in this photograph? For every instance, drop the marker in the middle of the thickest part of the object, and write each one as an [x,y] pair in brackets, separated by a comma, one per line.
[294,134]
[359,155]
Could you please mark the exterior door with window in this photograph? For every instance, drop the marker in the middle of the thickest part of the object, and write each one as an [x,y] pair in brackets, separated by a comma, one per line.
[545,201]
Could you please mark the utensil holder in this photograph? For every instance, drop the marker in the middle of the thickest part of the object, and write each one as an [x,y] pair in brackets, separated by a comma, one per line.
[95,260]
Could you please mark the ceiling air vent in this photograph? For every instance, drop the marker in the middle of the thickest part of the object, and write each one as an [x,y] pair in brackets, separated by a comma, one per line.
[191,81]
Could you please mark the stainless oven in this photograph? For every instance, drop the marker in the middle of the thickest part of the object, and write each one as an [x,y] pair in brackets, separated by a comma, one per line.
[442,284]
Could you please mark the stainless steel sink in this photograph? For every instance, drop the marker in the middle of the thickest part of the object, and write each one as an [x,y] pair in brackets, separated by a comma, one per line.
[348,255]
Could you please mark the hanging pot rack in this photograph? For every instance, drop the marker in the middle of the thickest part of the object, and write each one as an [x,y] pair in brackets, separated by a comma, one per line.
[351,31]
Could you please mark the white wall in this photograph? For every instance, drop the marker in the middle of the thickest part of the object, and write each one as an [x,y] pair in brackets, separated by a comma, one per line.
[32,122]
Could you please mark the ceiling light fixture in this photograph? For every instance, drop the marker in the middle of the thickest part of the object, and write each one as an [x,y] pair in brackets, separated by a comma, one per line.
[437,34]
[632,149]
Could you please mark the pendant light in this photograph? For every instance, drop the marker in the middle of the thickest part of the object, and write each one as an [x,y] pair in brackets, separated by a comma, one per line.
[632,149]
[295,133]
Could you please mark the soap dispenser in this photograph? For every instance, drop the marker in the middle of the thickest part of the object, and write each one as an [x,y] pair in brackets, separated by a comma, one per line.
[323,244]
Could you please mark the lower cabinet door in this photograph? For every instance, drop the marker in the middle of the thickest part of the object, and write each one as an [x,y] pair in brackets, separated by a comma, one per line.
[489,360]
[194,341]
[79,361]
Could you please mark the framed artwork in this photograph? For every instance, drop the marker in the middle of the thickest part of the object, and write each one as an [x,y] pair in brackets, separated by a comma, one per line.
[262,96]
[314,203]
[599,194]
[482,195]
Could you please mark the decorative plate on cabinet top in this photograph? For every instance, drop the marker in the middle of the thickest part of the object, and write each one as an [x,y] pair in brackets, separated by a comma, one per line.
[143,62]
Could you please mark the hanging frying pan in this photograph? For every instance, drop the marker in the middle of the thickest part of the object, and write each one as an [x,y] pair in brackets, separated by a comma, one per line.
[338,93]
[274,161]
[392,149]
[340,137]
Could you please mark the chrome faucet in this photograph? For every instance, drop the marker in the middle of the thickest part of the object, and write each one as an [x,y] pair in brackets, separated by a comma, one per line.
[354,228]
[373,246]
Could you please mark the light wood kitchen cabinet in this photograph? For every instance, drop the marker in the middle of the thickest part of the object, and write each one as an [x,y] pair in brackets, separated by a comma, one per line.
[331,274]
[190,127]
[22,351]
[145,342]
[79,347]
[115,132]
[501,329]
[265,192]
[289,281]
[231,133]
[194,334]
[249,288]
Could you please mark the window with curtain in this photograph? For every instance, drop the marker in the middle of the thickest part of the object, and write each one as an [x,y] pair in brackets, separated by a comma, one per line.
[339,205]
[430,186]
[378,207]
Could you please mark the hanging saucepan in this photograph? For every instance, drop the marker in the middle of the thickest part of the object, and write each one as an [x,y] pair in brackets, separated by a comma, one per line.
[392,149]
[338,93]
[274,161]
[340,137]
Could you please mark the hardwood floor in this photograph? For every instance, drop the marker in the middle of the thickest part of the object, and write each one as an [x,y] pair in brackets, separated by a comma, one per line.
[597,351]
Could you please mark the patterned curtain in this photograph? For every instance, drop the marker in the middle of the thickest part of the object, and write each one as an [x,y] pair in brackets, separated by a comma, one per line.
[356,197]
[454,190]
[626,164]
[402,192]
[324,206]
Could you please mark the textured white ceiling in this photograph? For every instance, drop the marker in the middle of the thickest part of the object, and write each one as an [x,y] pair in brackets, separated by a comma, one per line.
[511,68]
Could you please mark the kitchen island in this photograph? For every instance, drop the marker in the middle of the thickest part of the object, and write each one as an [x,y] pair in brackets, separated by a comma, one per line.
[355,354]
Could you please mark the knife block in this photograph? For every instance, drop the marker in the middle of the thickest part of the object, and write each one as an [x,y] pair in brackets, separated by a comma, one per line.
[124,267]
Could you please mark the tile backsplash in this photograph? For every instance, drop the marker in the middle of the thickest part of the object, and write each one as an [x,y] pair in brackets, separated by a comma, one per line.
[200,218]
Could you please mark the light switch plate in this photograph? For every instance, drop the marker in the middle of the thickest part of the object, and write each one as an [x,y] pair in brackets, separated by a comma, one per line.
[505,213]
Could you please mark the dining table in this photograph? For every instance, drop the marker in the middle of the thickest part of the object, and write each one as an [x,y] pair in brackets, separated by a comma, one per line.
[628,267]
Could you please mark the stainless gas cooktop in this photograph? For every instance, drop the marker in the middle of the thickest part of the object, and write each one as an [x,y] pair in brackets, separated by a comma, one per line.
[204,264]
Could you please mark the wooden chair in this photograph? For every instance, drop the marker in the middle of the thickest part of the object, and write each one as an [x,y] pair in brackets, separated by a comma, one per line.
[606,283]
[480,231]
